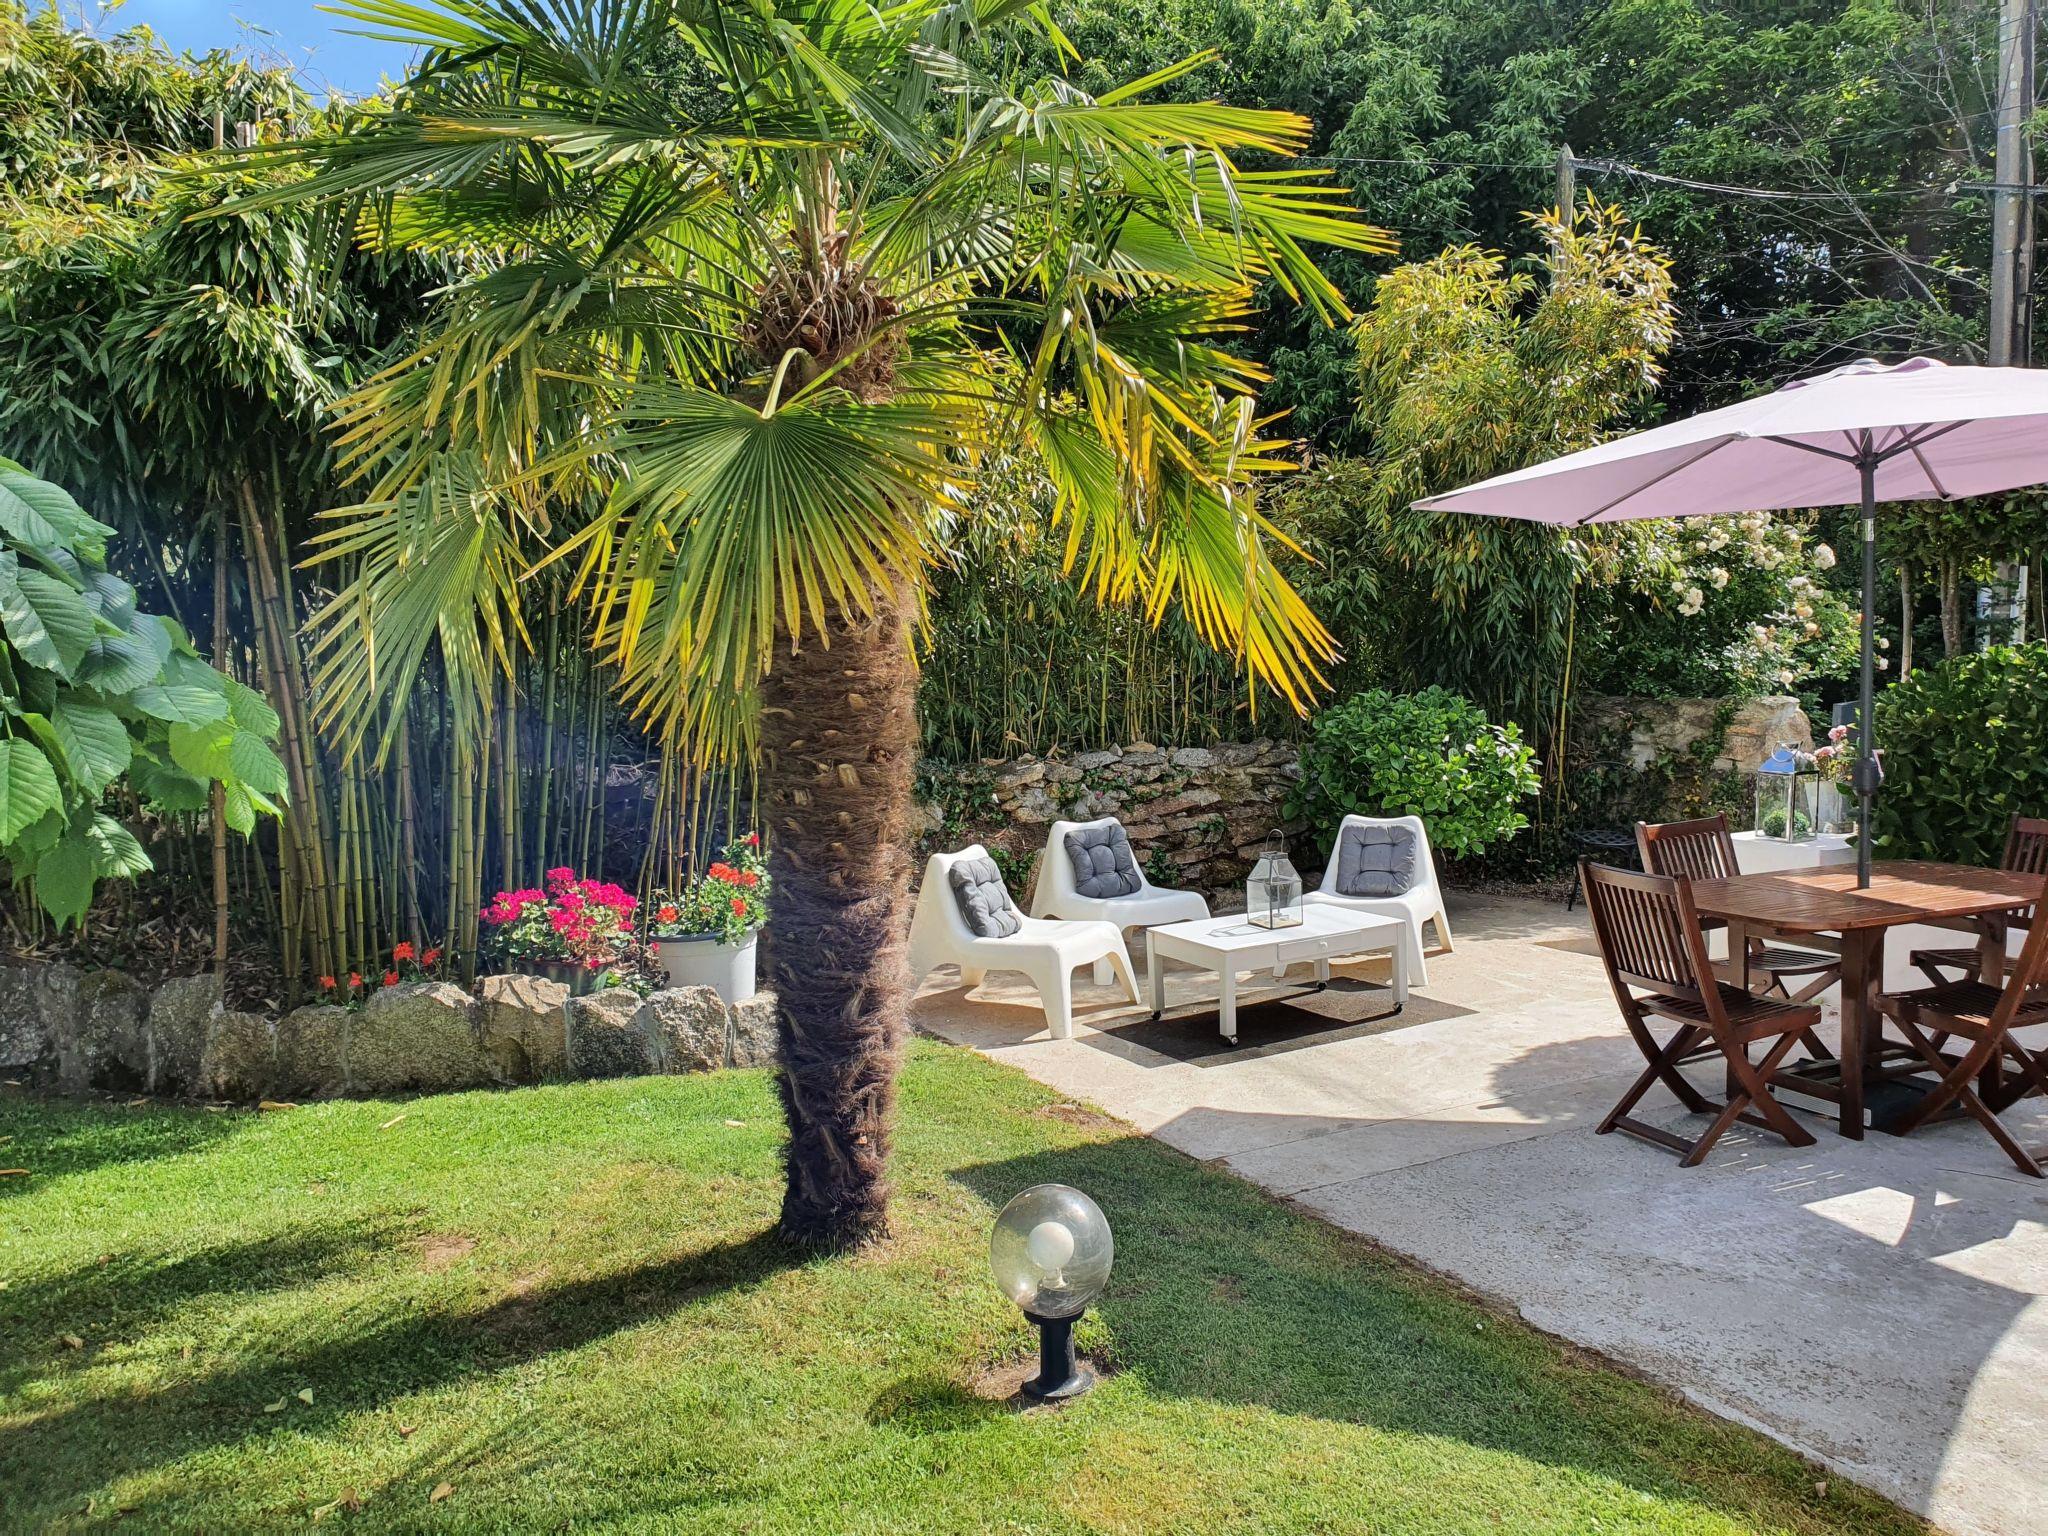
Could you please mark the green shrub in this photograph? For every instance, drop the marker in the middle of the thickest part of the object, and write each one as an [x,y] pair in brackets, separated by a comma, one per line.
[96,693]
[1432,754]
[1965,748]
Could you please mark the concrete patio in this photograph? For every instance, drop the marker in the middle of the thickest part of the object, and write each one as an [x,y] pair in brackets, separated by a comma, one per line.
[1877,1305]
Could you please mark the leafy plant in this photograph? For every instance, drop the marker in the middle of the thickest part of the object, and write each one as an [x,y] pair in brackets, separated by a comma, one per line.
[1432,754]
[95,693]
[745,300]
[1965,749]
[729,900]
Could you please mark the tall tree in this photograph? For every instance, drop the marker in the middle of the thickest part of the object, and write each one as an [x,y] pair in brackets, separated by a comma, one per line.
[751,291]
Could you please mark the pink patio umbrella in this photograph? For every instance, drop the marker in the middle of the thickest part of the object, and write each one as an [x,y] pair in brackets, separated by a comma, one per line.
[1867,432]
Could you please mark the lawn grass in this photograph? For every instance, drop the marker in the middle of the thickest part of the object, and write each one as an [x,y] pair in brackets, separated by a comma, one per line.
[561,1303]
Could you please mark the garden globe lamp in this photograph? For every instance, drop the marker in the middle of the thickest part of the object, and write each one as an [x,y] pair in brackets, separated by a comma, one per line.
[1050,1253]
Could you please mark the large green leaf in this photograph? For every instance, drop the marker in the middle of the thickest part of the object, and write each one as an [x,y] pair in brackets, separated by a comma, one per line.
[28,787]
[117,664]
[203,750]
[168,788]
[116,852]
[37,513]
[250,710]
[96,743]
[251,761]
[65,877]
[238,808]
[49,623]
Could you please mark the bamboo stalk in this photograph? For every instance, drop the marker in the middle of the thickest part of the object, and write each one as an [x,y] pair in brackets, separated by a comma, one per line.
[277,646]
[217,797]
[408,839]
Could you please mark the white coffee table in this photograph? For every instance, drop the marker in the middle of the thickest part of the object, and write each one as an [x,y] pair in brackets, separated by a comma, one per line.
[1228,945]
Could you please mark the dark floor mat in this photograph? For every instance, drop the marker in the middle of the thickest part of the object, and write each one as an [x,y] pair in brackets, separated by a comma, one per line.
[1347,1010]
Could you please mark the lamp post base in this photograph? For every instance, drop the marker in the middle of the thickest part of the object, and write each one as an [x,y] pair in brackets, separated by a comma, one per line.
[1060,1376]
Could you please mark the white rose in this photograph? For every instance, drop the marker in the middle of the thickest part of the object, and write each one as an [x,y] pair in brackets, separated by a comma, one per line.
[1823,557]
[1719,577]
[1694,598]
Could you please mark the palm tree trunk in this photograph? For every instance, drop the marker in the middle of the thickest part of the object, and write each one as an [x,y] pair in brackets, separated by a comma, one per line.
[838,757]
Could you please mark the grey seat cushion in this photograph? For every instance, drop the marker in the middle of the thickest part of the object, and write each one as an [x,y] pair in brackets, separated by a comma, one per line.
[1376,861]
[1103,865]
[983,898]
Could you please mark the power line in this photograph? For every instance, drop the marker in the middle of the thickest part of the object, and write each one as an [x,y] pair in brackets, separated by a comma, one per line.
[1600,167]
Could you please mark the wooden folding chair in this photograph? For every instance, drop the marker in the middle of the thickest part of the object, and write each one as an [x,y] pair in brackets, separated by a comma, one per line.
[1985,1016]
[2026,853]
[1705,850]
[1656,958]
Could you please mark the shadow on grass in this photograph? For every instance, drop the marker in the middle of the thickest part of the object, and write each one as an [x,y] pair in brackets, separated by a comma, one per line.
[129,1293]
[131,1432]
[1221,1293]
[54,1138]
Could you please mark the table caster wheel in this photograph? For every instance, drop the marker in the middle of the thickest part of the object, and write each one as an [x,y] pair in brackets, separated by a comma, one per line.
[1230,1039]
[1322,986]
[1156,1015]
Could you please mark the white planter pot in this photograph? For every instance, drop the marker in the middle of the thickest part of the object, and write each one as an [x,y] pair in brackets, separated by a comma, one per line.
[701,960]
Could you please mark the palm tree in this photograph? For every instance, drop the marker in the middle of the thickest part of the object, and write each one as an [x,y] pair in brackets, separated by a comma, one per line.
[746,294]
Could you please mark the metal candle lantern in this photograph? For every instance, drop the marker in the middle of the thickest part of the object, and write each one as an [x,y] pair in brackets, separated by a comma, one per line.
[1050,1252]
[1788,795]
[1272,896]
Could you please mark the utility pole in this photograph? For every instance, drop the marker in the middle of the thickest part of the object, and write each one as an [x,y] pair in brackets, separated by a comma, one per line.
[1567,184]
[2010,338]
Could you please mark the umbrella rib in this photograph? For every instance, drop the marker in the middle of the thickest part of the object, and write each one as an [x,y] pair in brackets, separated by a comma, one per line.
[1927,469]
[1599,512]
[1826,453]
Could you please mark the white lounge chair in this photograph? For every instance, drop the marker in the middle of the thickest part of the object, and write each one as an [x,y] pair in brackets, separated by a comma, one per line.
[1420,901]
[1044,949]
[1112,890]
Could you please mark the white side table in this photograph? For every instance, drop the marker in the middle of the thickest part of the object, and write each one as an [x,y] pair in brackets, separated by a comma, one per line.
[1228,945]
[1758,855]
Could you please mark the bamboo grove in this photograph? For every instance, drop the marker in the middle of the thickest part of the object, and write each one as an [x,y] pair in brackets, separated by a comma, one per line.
[175,373]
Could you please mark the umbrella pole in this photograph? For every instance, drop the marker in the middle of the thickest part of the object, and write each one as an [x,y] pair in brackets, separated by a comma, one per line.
[1866,728]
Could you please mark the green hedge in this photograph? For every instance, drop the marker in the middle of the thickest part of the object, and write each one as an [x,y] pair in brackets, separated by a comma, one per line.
[1965,749]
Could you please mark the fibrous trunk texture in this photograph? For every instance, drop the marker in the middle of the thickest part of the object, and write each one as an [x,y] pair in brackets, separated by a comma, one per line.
[838,755]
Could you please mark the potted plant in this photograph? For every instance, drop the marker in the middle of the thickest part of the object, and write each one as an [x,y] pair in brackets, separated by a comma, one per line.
[704,936]
[571,931]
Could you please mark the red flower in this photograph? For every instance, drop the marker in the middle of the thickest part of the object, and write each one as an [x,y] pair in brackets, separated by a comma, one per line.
[748,878]
[739,906]
[402,951]
[430,957]
[753,839]
[667,914]
[391,978]
[327,983]
[355,978]
[721,872]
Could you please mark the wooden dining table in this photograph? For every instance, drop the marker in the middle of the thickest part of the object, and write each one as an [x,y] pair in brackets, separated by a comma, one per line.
[1823,909]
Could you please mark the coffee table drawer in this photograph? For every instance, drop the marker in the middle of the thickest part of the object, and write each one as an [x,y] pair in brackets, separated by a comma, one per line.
[1320,947]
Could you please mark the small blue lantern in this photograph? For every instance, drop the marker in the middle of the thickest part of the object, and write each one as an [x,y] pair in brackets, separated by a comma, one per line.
[1788,795]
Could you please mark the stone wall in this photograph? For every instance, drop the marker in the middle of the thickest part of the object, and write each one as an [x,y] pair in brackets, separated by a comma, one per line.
[1659,728]
[1195,814]
[75,1030]
[1668,759]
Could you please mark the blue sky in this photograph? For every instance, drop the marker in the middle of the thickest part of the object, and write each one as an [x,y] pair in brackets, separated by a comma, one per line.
[293,30]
